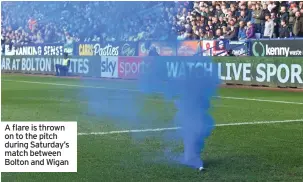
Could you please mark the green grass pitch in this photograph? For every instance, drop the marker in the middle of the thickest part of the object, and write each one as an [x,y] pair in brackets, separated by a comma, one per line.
[258,152]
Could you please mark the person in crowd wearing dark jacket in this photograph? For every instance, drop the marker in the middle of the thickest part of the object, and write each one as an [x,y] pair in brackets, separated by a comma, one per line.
[257,16]
[291,12]
[283,14]
[221,22]
[243,17]
[283,31]
[276,25]
[218,33]
[231,33]
[298,25]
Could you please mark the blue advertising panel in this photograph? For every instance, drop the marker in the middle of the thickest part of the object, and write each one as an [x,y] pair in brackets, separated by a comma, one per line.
[239,48]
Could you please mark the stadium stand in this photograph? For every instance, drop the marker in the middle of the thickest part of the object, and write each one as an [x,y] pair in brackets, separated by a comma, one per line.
[239,20]
[54,22]
[58,22]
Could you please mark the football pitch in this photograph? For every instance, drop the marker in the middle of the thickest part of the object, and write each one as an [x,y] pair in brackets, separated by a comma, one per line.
[259,133]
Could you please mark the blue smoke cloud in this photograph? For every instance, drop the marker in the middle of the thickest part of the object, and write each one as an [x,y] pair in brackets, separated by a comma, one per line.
[183,82]
[189,83]
[191,86]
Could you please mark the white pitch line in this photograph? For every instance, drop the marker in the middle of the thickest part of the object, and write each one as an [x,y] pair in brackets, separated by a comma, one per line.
[176,128]
[130,131]
[133,90]
[261,100]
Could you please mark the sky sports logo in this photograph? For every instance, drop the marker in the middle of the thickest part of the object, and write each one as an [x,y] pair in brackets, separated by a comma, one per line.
[131,67]
[261,48]
[122,67]
[109,68]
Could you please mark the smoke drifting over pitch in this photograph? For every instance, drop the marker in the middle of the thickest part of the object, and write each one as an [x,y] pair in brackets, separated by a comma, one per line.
[129,104]
[183,98]
[192,92]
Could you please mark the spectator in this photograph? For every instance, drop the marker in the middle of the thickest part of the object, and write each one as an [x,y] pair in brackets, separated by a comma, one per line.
[242,31]
[31,23]
[195,36]
[264,12]
[271,6]
[252,11]
[210,25]
[215,23]
[243,17]
[218,34]
[218,11]
[276,25]
[269,27]
[284,32]
[210,11]
[257,16]
[292,11]
[224,30]
[222,22]
[188,34]
[233,23]
[231,33]
[181,35]
[207,28]
[39,39]
[201,34]
[250,33]
[298,25]
[233,10]
[209,35]
[284,14]
[246,12]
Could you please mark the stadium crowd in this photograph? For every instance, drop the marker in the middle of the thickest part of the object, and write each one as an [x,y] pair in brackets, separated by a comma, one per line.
[58,22]
[239,20]
[55,22]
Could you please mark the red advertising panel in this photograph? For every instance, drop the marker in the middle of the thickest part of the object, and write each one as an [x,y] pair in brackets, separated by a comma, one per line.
[130,67]
[189,48]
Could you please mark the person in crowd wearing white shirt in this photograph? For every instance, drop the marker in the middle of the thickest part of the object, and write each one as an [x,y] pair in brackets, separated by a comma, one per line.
[269,27]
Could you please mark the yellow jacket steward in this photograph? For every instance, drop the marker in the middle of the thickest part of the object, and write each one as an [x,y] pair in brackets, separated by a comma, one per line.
[65,62]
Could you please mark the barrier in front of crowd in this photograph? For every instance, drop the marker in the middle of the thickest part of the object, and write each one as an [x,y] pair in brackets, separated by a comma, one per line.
[261,47]
[247,70]
[276,63]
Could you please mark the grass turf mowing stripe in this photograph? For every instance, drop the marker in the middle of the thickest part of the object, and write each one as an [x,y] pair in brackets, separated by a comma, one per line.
[176,128]
[133,90]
